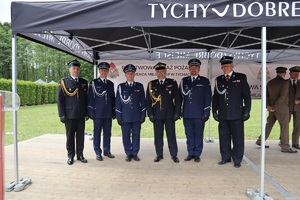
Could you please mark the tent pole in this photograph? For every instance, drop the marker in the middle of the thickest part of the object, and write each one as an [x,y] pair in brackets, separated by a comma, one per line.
[18,184]
[209,75]
[14,91]
[263,107]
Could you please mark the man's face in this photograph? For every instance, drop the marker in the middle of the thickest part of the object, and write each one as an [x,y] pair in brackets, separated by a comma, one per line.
[103,73]
[227,68]
[294,75]
[194,70]
[161,74]
[130,76]
[74,71]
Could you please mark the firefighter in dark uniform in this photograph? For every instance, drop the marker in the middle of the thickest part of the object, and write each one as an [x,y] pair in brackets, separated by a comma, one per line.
[163,107]
[130,112]
[196,96]
[231,107]
[72,110]
[101,108]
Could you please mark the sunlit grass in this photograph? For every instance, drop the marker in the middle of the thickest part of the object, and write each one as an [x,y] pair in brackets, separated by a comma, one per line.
[33,121]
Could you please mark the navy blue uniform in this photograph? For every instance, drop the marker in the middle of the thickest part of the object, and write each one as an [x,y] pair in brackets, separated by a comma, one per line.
[196,101]
[231,100]
[72,103]
[164,102]
[101,105]
[130,108]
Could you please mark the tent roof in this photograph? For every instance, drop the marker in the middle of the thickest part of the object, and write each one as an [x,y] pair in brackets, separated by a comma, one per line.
[93,28]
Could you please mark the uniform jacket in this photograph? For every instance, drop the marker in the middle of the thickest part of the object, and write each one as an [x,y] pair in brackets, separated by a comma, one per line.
[130,102]
[170,100]
[101,99]
[70,104]
[294,95]
[231,99]
[196,97]
[278,94]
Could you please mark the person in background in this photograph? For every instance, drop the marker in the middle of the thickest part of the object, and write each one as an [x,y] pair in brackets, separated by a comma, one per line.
[163,107]
[72,110]
[231,107]
[130,112]
[196,101]
[294,104]
[101,109]
[277,106]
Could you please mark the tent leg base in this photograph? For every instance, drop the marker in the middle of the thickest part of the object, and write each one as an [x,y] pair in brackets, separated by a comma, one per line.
[255,195]
[208,140]
[22,184]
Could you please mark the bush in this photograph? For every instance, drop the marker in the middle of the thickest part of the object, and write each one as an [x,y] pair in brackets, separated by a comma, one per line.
[31,93]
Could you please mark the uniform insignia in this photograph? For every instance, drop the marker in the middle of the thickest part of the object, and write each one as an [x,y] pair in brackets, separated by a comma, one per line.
[169,86]
[199,85]
[136,90]
[170,92]
[236,81]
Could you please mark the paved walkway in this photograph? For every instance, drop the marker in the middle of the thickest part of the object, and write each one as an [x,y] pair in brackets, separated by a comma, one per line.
[43,159]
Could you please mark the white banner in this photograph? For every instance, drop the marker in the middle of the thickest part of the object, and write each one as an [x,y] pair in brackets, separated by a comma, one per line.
[177,69]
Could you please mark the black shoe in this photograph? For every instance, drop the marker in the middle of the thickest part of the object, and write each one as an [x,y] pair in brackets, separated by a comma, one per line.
[296,146]
[237,165]
[82,159]
[175,159]
[136,158]
[197,159]
[109,155]
[158,158]
[70,161]
[128,158]
[223,162]
[189,157]
[99,157]
[259,144]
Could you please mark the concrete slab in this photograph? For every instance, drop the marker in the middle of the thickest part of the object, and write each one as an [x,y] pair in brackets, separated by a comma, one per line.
[43,159]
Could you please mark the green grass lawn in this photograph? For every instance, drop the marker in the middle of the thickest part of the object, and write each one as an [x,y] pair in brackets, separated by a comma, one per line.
[34,121]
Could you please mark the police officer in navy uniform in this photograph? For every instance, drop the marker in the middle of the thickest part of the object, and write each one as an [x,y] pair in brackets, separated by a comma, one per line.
[72,110]
[231,107]
[101,108]
[196,96]
[163,104]
[130,112]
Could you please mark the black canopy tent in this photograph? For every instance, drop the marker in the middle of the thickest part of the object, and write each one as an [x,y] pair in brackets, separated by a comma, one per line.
[129,28]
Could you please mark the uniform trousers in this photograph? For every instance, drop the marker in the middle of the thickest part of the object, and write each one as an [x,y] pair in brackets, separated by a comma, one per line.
[75,128]
[194,135]
[159,136]
[99,125]
[296,127]
[131,137]
[283,120]
[231,130]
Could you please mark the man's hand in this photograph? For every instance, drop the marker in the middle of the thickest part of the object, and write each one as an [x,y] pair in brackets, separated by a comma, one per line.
[63,119]
[176,117]
[205,118]
[216,117]
[152,118]
[120,121]
[142,120]
[246,116]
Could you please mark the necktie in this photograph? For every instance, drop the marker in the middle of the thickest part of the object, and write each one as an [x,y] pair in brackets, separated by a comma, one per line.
[104,81]
[227,77]
[76,80]
[161,82]
[130,84]
[193,79]
[294,85]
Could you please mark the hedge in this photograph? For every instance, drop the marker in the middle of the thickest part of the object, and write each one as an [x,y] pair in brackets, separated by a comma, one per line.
[31,93]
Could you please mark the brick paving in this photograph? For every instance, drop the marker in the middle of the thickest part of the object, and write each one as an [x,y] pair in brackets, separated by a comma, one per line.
[43,159]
